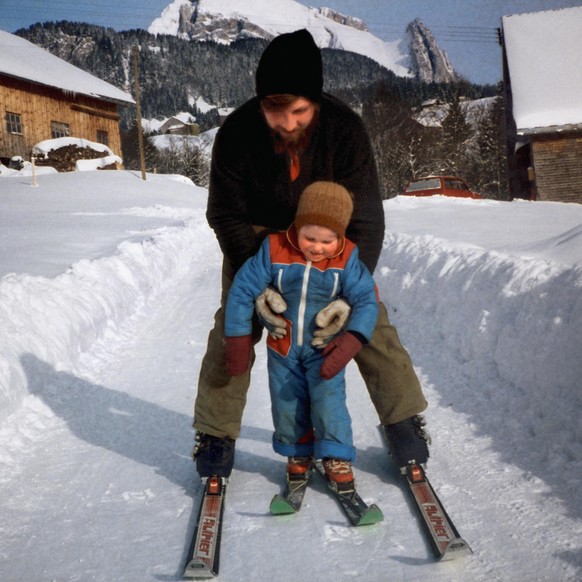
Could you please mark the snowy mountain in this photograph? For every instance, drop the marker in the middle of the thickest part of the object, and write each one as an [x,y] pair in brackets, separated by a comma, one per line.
[429,63]
[229,20]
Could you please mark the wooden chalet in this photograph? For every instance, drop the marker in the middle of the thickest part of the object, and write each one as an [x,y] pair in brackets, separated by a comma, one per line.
[542,54]
[43,97]
[177,126]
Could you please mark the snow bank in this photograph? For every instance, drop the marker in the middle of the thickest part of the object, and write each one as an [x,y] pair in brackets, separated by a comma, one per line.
[58,319]
[97,163]
[27,170]
[494,307]
[507,321]
[82,253]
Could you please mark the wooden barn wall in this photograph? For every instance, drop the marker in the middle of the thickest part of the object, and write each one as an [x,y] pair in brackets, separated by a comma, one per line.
[558,166]
[38,106]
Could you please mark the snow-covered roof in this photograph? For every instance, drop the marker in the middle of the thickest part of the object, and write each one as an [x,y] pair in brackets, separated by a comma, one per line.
[544,56]
[22,59]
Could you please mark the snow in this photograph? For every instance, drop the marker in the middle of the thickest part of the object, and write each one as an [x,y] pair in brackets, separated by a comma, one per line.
[433,112]
[544,53]
[292,16]
[203,106]
[203,141]
[24,60]
[107,292]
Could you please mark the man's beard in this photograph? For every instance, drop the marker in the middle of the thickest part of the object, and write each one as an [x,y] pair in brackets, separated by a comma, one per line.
[297,141]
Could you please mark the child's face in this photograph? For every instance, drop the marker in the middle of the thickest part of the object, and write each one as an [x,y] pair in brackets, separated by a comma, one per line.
[317,242]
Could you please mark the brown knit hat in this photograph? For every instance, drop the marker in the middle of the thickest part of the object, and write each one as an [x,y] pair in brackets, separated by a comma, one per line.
[325,204]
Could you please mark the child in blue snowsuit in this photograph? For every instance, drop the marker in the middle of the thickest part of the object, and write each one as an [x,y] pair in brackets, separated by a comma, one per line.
[311,264]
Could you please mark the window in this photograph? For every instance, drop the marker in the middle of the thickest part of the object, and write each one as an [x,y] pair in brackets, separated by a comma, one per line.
[60,129]
[14,123]
[426,184]
[456,185]
[102,137]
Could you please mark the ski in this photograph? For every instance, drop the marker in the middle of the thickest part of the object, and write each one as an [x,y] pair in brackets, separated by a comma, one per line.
[356,509]
[204,555]
[442,534]
[444,538]
[291,499]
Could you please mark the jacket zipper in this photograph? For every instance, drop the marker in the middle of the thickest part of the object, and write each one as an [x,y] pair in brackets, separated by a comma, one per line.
[303,305]
[335,284]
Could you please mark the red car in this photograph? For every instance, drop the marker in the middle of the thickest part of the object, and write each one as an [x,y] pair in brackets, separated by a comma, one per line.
[439,186]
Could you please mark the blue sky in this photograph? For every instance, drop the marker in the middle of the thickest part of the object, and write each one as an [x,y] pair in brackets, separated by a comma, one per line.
[464,28]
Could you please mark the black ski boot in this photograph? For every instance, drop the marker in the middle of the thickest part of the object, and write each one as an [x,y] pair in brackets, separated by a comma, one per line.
[213,455]
[408,441]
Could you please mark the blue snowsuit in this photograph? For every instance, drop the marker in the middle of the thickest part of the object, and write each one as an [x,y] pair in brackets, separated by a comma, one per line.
[309,413]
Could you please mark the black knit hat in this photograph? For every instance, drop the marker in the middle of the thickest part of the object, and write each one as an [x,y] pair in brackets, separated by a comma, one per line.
[291,64]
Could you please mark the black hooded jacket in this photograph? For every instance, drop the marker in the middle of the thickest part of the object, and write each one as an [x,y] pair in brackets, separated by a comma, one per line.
[250,184]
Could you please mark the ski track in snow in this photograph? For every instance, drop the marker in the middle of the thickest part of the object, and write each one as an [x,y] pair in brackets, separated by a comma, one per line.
[97,483]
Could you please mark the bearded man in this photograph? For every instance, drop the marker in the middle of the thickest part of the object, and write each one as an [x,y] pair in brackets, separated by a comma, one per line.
[265,154]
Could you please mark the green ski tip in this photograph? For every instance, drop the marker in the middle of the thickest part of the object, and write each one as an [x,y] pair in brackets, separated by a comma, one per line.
[372,515]
[280,506]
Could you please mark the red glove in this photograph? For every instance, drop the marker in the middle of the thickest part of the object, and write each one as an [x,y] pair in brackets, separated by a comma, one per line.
[238,354]
[338,352]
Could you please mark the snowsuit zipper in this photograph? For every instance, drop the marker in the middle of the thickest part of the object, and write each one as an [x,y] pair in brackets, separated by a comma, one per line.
[303,305]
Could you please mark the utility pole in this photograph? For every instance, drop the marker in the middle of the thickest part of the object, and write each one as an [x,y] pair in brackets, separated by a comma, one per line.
[139,128]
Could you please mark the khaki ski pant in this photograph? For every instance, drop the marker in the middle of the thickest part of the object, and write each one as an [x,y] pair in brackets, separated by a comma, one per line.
[383,363]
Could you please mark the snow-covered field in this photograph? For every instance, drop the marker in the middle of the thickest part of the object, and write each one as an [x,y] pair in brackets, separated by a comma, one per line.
[107,291]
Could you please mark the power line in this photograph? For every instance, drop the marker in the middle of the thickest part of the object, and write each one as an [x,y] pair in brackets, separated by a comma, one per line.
[134,17]
[15,12]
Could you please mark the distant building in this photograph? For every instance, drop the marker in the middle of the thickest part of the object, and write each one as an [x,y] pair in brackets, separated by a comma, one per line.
[542,54]
[43,97]
[178,126]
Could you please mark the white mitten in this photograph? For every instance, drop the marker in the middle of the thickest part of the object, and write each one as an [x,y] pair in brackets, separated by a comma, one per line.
[330,321]
[268,305]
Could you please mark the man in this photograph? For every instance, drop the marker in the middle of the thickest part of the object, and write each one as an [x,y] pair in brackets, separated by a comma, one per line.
[265,154]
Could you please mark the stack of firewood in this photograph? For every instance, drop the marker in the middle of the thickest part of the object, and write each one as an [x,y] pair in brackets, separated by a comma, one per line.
[64,158]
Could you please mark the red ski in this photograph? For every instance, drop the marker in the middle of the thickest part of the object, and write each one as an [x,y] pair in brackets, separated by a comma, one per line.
[204,554]
[444,538]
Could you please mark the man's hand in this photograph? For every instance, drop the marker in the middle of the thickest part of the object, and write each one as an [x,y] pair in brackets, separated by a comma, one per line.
[238,354]
[268,305]
[338,353]
[330,321]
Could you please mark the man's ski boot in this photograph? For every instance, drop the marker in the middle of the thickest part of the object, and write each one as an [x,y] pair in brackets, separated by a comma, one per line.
[213,455]
[408,441]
